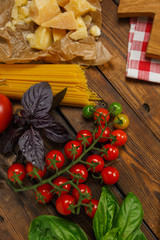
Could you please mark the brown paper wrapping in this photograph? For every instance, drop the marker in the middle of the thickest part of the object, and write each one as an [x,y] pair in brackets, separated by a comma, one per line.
[14,47]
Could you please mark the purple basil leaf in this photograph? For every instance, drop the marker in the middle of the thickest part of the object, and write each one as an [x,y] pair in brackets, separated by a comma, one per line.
[18,121]
[7,139]
[32,147]
[37,100]
[43,122]
[58,98]
[57,133]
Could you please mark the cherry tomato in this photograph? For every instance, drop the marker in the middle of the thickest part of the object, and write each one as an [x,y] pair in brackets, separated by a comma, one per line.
[54,157]
[59,181]
[104,135]
[63,203]
[5,112]
[17,169]
[73,149]
[30,169]
[85,138]
[94,208]
[112,152]
[88,111]
[103,113]
[116,107]
[95,159]
[110,175]
[84,189]
[79,170]
[44,192]
[121,137]
[125,121]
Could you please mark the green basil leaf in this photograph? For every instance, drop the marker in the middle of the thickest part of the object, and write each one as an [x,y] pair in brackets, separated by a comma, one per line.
[111,235]
[137,235]
[106,213]
[48,227]
[130,216]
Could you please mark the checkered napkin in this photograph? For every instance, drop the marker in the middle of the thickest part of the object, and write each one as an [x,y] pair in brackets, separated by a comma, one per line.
[138,66]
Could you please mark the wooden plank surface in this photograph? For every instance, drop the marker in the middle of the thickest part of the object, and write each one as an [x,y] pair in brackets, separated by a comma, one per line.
[144,8]
[139,160]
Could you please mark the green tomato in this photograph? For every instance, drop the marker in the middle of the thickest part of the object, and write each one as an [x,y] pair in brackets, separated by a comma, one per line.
[88,111]
[116,107]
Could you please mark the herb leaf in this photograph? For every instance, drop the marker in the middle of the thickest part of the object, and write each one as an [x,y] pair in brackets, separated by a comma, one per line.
[31,146]
[42,122]
[130,216]
[52,227]
[58,98]
[106,213]
[137,235]
[57,133]
[37,100]
[111,235]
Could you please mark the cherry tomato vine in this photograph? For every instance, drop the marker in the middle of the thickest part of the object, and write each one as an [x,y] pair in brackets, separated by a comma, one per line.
[75,151]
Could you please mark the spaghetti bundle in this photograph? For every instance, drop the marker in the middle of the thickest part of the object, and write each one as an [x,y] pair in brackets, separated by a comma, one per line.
[20,77]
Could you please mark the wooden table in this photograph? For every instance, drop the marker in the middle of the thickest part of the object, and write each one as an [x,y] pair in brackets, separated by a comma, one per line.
[139,161]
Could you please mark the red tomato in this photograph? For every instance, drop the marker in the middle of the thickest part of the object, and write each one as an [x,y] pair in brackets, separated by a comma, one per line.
[84,189]
[73,149]
[84,137]
[5,112]
[54,157]
[44,194]
[121,137]
[79,170]
[110,175]
[112,152]
[30,169]
[63,203]
[103,113]
[105,134]
[95,159]
[94,208]
[59,181]
[17,169]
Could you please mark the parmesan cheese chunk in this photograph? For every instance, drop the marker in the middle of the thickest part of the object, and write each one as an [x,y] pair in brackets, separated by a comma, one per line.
[42,38]
[95,31]
[62,3]
[81,32]
[43,10]
[79,7]
[58,34]
[19,3]
[64,20]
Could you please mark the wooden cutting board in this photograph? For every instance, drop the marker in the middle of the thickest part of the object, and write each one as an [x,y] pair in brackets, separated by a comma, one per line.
[145,8]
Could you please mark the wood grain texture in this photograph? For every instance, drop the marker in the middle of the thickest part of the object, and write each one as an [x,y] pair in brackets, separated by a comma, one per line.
[145,8]
[139,160]
[136,93]
[138,163]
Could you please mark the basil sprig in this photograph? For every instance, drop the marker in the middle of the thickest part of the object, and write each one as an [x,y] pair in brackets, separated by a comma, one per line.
[113,223]
[110,222]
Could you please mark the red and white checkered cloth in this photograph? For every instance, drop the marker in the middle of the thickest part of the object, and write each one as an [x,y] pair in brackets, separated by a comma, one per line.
[138,66]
